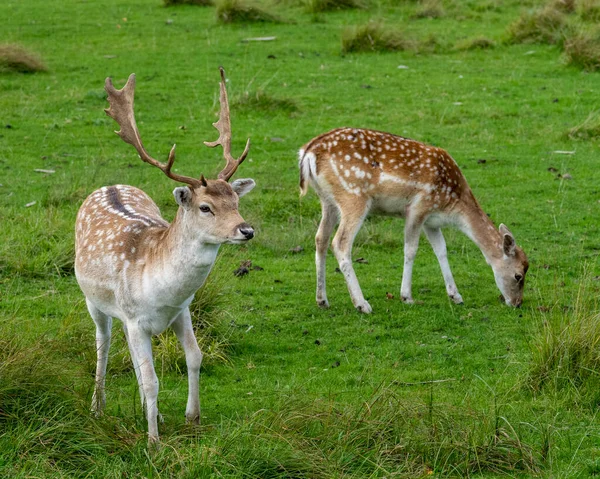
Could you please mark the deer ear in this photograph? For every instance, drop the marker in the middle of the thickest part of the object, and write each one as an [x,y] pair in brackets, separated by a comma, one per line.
[183,196]
[243,186]
[508,241]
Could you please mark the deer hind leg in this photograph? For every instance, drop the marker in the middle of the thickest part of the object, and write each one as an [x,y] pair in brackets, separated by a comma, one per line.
[328,221]
[412,231]
[103,333]
[436,239]
[140,345]
[352,218]
[193,357]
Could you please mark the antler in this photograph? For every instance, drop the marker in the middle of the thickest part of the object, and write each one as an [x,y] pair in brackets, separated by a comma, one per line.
[121,110]
[224,128]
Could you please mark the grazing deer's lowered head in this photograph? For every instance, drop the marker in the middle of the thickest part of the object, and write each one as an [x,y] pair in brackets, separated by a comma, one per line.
[357,171]
[131,264]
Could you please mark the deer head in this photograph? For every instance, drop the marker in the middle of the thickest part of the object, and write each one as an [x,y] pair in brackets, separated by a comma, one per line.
[209,208]
[510,269]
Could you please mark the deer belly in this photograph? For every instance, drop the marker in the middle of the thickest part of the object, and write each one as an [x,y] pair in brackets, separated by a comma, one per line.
[394,206]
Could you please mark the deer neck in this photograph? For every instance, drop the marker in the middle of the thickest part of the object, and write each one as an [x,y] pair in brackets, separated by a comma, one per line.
[182,260]
[476,224]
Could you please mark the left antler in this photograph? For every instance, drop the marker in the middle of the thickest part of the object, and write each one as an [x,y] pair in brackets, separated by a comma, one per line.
[121,110]
[224,128]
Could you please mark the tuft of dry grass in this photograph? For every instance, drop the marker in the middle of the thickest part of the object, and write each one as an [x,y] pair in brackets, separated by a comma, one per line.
[566,6]
[588,130]
[15,58]
[430,9]
[477,43]
[319,6]
[374,37]
[260,101]
[201,3]
[242,11]
[541,26]
[589,10]
[582,49]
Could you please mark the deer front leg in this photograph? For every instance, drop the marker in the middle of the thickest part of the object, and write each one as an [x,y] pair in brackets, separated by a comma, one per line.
[138,374]
[193,357]
[352,218]
[141,347]
[438,244]
[328,220]
[103,334]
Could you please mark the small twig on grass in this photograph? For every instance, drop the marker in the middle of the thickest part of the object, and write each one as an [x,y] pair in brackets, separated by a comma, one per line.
[400,383]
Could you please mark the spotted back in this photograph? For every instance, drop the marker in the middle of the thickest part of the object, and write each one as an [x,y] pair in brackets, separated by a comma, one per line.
[368,163]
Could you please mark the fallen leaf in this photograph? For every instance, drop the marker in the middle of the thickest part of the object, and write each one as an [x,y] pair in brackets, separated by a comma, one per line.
[552,169]
[259,39]
[30,204]
[48,172]
[389,295]
[361,260]
[567,176]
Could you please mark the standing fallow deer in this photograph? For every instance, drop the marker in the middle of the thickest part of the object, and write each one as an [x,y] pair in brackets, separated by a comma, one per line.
[133,265]
[356,171]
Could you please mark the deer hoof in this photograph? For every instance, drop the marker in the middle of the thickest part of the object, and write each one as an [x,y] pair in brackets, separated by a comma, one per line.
[192,419]
[456,298]
[364,308]
[323,303]
[153,444]
[408,300]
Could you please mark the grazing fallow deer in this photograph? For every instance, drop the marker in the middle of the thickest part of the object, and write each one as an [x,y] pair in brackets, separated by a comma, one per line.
[356,172]
[133,265]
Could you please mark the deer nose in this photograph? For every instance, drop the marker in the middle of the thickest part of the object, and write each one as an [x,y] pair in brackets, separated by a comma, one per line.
[247,231]
[518,303]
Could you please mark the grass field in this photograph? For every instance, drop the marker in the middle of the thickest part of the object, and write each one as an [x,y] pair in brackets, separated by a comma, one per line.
[287,389]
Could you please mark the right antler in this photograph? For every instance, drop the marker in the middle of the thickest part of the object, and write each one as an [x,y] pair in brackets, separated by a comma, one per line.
[224,128]
[121,110]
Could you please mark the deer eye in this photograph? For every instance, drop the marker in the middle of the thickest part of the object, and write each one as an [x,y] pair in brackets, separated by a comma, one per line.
[518,278]
[205,209]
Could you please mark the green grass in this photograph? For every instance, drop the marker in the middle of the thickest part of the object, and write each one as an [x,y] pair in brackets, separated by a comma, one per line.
[288,389]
